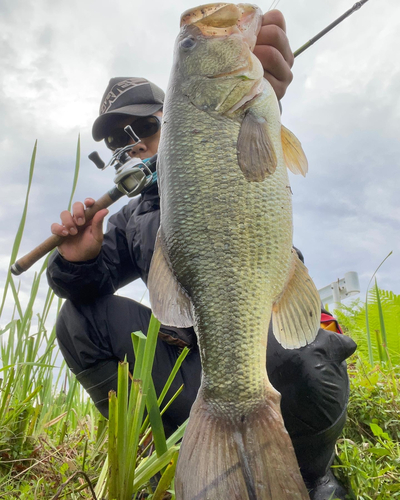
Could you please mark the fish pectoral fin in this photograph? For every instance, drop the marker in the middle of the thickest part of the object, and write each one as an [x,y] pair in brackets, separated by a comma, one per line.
[293,153]
[169,302]
[256,154]
[297,313]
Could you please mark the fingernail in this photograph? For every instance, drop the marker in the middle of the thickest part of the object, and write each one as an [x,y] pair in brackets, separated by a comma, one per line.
[73,230]
[80,221]
[65,232]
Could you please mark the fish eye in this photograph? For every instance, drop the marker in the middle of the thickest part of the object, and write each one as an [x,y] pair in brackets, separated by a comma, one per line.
[188,42]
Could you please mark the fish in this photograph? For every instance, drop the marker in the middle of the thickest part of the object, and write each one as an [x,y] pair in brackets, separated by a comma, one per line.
[223,260]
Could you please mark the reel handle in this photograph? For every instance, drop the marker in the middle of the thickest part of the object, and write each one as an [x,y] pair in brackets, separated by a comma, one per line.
[25,262]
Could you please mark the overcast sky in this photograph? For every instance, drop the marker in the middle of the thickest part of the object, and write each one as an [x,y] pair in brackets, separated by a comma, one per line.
[343,105]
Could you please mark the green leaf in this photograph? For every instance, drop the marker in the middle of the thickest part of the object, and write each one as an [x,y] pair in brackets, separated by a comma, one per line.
[377,431]
[166,478]
[379,452]
[151,467]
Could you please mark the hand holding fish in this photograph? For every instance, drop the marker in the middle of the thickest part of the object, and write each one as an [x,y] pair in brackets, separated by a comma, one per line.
[274,52]
[82,239]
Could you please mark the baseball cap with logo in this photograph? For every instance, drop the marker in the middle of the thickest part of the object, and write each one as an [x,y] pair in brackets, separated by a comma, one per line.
[126,97]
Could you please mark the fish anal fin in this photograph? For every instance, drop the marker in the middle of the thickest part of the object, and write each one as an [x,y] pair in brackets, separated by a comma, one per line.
[256,154]
[169,302]
[297,313]
[293,153]
[249,456]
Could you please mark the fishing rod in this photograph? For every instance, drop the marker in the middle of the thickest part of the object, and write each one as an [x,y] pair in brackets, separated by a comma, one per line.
[132,176]
[355,7]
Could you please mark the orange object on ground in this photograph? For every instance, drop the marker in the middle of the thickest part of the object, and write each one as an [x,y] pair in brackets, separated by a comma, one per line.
[328,322]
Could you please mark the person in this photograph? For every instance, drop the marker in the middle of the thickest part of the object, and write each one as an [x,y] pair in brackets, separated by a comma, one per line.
[94,326]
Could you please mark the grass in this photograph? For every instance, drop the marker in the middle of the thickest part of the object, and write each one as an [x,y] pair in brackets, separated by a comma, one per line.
[369,449]
[55,445]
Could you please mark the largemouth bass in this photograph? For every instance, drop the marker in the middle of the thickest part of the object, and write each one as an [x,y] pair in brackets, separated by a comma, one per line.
[224,261]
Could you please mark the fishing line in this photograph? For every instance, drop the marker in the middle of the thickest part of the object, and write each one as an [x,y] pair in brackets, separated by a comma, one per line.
[274,5]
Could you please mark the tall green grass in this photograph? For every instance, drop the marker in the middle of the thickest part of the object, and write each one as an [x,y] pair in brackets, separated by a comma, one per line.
[381,315]
[369,450]
[39,406]
[53,441]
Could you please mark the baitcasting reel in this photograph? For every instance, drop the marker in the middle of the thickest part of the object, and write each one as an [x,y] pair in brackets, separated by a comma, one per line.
[133,176]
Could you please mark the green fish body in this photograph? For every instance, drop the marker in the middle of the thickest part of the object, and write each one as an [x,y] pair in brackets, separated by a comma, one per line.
[224,261]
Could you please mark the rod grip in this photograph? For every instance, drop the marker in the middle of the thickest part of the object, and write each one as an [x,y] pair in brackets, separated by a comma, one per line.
[25,262]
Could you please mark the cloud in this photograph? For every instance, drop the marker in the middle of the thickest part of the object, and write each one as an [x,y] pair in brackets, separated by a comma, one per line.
[344,107]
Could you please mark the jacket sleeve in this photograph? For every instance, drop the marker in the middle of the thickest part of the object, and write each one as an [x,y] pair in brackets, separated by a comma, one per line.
[112,269]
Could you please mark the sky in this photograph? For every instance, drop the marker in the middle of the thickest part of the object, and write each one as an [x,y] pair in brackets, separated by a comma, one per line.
[343,104]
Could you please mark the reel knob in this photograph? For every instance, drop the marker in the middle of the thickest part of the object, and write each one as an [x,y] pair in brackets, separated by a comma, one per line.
[95,157]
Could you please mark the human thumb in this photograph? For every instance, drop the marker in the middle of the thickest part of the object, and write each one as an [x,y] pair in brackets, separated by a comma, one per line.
[97,224]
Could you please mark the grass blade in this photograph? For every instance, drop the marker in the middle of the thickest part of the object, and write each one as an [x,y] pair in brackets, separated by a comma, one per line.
[151,467]
[76,172]
[156,423]
[122,417]
[113,470]
[174,371]
[370,354]
[166,478]
[139,342]
[21,227]
[381,321]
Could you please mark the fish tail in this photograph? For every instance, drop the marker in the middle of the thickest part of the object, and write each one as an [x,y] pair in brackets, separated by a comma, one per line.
[242,457]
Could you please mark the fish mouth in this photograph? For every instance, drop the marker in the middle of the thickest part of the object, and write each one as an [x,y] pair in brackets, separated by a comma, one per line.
[225,19]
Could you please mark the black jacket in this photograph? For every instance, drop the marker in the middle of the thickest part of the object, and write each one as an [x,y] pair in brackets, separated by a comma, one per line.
[125,255]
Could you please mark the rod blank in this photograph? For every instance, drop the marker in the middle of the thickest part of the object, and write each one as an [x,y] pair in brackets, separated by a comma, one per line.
[355,7]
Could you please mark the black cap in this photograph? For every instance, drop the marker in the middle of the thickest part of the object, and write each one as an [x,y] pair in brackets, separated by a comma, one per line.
[126,97]
[300,254]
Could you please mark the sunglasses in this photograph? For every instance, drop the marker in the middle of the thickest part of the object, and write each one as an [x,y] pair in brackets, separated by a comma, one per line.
[143,127]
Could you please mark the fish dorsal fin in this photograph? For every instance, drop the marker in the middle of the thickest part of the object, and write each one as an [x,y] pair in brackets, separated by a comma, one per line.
[256,154]
[293,153]
[297,313]
[169,302]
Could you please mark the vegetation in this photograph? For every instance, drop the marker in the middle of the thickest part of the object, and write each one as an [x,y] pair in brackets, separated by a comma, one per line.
[55,445]
[53,442]
[369,451]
